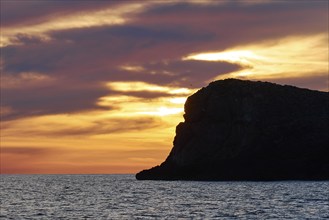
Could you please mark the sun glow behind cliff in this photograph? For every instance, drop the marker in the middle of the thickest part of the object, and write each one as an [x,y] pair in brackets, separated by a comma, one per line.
[171,105]
[123,131]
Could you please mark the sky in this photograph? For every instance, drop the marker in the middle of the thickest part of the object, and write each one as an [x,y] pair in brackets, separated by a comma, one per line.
[99,86]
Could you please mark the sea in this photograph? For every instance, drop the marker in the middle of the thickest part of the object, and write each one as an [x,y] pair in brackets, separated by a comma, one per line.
[124,197]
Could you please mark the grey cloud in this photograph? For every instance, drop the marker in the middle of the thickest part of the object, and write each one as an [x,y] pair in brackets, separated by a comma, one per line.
[236,23]
[26,39]
[184,73]
[134,33]
[92,46]
[191,73]
[50,100]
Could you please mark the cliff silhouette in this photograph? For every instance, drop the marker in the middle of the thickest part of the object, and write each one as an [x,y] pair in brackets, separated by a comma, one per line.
[246,130]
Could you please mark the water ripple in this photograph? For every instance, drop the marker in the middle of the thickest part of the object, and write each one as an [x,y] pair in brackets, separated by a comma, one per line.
[122,197]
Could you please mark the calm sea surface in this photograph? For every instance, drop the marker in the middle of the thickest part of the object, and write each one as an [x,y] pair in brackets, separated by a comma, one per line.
[123,197]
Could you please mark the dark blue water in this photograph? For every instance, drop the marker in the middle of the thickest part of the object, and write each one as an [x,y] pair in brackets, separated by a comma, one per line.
[123,197]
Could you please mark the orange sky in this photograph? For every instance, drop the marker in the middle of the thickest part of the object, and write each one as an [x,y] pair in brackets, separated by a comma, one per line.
[98,87]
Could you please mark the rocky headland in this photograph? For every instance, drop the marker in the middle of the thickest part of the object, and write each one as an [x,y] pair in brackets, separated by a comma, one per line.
[246,130]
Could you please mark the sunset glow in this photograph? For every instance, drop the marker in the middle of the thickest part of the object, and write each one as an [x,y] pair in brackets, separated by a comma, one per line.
[141,86]
[235,56]
[99,87]
[284,58]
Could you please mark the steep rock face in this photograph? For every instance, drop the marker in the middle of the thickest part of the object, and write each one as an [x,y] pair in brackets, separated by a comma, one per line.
[244,130]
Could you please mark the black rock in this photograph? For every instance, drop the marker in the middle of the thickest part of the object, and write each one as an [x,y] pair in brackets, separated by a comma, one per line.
[245,130]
